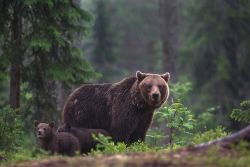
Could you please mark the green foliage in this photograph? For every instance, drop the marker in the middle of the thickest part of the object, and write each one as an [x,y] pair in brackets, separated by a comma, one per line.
[213,65]
[47,48]
[10,131]
[240,157]
[243,113]
[176,122]
[180,90]
[206,120]
[26,154]
[209,135]
[179,119]
[155,136]
[107,146]
[27,150]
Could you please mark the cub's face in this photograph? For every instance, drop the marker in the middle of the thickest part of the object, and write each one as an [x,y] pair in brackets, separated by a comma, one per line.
[43,130]
[153,87]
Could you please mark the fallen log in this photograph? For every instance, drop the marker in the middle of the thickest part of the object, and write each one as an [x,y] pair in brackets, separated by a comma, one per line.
[225,142]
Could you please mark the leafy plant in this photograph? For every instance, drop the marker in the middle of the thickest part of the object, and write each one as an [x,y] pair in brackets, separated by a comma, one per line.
[180,90]
[10,131]
[206,120]
[175,118]
[243,113]
[155,136]
[179,119]
[107,146]
[209,135]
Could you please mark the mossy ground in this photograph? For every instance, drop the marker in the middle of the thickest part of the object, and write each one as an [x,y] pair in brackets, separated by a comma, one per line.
[212,158]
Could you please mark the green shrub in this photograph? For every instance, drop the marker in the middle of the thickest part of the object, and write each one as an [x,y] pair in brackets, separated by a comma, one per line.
[180,90]
[155,136]
[209,135]
[107,146]
[10,131]
[179,119]
[243,113]
[206,120]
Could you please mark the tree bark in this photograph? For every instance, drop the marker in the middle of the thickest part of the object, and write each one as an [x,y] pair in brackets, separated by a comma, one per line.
[15,56]
[169,28]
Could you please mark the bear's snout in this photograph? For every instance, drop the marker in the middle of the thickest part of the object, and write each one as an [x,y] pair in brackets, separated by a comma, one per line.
[40,133]
[155,96]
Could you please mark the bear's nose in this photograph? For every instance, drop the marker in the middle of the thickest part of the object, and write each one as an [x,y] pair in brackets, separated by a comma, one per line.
[39,132]
[155,96]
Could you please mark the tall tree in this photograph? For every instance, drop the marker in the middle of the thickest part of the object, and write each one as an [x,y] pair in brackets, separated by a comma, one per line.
[218,55]
[104,39]
[169,14]
[38,45]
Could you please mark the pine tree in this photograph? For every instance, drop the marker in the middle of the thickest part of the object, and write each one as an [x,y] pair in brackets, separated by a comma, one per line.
[38,46]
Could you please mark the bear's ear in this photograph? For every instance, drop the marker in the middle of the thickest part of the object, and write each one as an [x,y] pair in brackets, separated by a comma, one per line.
[67,126]
[140,76]
[52,124]
[36,123]
[166,76]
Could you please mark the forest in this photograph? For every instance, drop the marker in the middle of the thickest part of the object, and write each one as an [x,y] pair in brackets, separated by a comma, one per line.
[49,48]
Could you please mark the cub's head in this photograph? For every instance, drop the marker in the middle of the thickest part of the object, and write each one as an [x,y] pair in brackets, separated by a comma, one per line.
[64,128]
[153,87]
[44,130]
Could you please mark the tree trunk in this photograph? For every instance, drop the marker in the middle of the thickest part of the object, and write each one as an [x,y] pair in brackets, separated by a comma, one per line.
[169,27]
[63,91]
[15,57]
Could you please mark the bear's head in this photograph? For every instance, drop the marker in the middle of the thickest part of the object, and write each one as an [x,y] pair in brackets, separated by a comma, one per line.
[44,130]
[64,128]
[153,88]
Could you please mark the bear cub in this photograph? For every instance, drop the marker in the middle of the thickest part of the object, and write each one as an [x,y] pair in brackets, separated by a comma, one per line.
[84,136]
[61,143]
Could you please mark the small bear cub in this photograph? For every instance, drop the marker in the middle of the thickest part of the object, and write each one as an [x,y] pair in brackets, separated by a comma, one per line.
[62,143]
[84,136]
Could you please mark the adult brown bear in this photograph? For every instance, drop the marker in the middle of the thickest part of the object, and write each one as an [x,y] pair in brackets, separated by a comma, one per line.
[124,109]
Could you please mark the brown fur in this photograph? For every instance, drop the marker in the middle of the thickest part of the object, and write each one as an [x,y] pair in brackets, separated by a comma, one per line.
[83,135]
[124,109]
[61,143]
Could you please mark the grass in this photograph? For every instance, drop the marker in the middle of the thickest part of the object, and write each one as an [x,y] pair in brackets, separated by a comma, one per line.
[238,156]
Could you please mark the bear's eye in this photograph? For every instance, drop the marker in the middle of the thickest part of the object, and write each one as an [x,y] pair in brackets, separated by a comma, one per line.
[160,87]
[44,129]
[148,86]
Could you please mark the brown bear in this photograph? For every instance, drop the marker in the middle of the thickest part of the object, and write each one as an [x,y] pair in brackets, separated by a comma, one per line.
[84,136]
[124,109]
[61,143]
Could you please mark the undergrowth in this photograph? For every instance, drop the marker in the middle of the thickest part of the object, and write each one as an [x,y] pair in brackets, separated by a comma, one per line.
[107,146]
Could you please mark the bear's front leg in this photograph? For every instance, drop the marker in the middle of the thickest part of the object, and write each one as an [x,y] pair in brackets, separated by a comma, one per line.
[122,128]
[137,136]
[140,132]
[120,134]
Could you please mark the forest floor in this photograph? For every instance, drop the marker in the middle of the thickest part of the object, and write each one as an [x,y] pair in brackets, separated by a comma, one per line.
[160,159]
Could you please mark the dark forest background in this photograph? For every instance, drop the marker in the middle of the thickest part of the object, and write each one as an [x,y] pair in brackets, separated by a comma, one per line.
[48,48]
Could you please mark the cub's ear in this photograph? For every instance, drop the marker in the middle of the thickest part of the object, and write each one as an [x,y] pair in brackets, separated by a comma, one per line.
[166,76]
[67,126]
[52,124]
[140,76]
[36,123]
